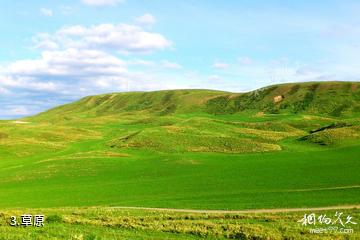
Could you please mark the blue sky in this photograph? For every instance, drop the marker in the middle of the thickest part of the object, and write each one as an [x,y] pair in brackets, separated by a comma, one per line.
[54,52]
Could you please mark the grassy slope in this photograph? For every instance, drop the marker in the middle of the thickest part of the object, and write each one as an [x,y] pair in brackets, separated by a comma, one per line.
[330,98]
[188,149]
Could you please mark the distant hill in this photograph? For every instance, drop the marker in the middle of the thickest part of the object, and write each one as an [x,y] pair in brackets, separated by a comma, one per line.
[324,98]
[157,102]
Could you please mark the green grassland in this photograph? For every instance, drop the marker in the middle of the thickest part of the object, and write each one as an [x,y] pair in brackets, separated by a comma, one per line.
[114,223]
[195,149]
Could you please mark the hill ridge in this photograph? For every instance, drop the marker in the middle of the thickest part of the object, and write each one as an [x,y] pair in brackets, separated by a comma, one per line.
[327,98]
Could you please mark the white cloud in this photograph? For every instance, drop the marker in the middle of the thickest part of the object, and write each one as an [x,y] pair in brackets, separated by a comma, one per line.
[155,65]
[14,111]
[146,20]
[76,61]
[122,38]
[19,110]
[58,70]
[44,41]
[66,10]
[170,65]
[220,65]
[78,72]
[46,12]
[214,78]
[71,61]
[245,60]
[27,82]
[4,90]
[102,2]
[140,62]
[341,31]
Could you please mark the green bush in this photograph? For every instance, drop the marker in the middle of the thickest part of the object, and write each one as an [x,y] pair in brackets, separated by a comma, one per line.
[54,218]
[337,111]
[219,105]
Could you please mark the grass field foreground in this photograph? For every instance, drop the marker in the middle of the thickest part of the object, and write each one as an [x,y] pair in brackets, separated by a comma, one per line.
[113,223]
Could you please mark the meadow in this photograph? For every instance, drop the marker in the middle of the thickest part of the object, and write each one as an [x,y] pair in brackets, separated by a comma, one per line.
[187,149]
[114,223]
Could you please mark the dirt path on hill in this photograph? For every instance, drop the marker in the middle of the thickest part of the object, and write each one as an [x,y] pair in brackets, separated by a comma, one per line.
[275,210]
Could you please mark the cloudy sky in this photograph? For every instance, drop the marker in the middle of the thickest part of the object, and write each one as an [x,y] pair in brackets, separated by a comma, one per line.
[54,52]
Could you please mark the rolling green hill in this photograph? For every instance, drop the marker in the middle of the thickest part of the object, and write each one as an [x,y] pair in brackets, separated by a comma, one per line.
[198,149]
[158,103]
[320,98]
[329,98]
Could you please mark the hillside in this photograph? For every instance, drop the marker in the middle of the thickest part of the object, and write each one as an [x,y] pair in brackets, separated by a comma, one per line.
[157,102]
[324,98]
[207,120]
[210,121]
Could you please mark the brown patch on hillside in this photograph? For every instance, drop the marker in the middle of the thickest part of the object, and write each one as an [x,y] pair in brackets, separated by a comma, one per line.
[260,114]
[354,87]
[278,98]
